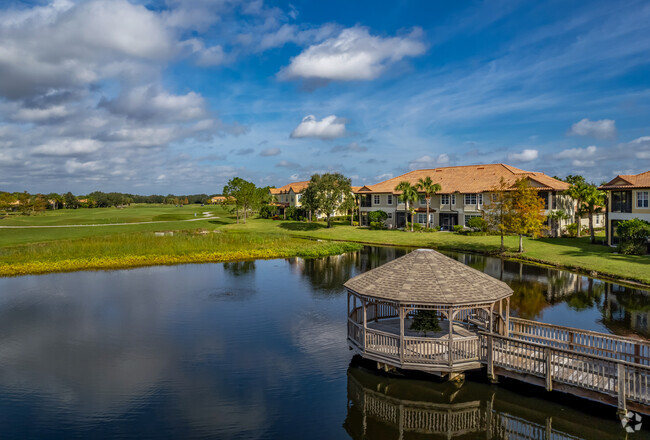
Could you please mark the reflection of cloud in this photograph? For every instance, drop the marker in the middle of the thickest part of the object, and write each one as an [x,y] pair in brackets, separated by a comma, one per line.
[323,339]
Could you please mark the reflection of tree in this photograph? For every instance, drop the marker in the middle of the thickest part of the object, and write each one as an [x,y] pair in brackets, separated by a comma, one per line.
[528,299]
[327,275]
[239,268]
[626,310]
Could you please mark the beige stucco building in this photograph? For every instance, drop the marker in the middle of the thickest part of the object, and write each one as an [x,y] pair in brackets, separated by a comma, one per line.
[465,191]
[627,198]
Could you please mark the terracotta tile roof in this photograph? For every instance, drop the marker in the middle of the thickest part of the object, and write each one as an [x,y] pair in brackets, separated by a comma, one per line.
[469,179]
[425,276]
[641,180]
[296,186]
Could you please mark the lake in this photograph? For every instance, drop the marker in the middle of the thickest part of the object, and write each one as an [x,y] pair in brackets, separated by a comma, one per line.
[258,350]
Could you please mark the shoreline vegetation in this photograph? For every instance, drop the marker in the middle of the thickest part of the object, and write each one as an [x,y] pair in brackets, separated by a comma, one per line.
[217,238]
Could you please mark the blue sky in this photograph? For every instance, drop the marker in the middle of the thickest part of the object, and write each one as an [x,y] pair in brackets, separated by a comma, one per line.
[179,96]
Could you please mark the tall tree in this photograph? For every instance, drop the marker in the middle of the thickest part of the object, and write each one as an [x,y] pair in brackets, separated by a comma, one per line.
[497,209]
[526,216]
[429,188]
[328,192]
[577,191]
[409,195]
[71,201]
[592,201]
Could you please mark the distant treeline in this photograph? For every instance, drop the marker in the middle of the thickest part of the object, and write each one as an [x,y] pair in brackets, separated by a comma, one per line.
[27,203]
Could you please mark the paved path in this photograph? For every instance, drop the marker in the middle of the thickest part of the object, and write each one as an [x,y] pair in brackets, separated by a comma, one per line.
[207,217]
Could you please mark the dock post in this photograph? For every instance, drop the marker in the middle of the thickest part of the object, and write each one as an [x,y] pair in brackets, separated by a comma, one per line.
[621,390]
[549,369]
[490,360]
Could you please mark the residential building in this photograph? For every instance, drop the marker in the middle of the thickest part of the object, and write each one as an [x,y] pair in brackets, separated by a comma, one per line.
[465,190]
[628,197]
[291,195]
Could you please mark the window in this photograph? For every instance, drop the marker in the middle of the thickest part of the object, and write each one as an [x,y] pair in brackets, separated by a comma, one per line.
[480,199]
[422,218]
[467,217]
[642,199]
[597,219]
[453,199]
[621,201]
[365,200]
[376,200]
[544,196]
[444,199]
[390,199]
[299,197]
[423,200]
[470,199]
[494,197]
[390,215]
[554,200]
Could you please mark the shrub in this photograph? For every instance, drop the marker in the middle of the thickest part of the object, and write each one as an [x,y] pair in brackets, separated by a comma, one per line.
[355,223]
[458,228]
[377,216]
[377,225]
[478,224]
[633,236]
[425,321]
[572,229]
[291,213]
[276,217]
[267,211]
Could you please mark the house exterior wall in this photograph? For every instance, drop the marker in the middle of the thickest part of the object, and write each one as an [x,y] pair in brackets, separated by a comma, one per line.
[613,217]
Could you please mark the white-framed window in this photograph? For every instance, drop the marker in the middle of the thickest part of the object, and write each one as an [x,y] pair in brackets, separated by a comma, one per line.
[597,219]
[422,218]
[423,201]
[468,217]
[453,199]
[494,197]
[390,199]
[299,197]
[444,199]
[642,199]
[470,199]
[376,199]
[390,215]
[480,198]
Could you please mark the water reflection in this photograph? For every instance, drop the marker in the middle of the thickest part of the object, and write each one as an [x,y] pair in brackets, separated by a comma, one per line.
[381,407]
[551,295]
[236,350]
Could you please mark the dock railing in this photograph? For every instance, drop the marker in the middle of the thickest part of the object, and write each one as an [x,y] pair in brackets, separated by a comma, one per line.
[617,381]
[581,341]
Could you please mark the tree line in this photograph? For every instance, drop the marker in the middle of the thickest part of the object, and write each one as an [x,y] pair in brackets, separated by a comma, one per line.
[26,203]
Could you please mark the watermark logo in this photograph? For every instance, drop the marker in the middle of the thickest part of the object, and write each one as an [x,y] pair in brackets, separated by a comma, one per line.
[631,422]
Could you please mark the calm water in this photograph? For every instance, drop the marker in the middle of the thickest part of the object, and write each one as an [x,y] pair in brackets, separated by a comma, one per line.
[256,350]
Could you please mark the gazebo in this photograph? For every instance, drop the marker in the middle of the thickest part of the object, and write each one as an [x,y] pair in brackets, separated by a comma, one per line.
[383,302]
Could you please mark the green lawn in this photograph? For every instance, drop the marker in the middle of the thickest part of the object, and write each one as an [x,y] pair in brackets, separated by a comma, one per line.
[50,244]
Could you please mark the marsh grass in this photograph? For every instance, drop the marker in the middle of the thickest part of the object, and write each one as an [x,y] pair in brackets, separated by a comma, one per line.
[145,249]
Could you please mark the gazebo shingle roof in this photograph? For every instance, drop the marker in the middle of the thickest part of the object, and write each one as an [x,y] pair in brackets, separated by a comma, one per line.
[425,276]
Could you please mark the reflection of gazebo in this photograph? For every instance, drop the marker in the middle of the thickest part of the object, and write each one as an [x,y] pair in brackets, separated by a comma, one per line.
[385,299]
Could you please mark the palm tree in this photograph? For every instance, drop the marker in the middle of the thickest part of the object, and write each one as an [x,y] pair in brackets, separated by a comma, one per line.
[409,194]
[592,202]
[556,217]
[577,191]
[429,188]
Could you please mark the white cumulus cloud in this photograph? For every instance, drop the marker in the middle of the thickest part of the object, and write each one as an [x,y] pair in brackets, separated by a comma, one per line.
[427,161]
[602,129]
[577,153]
[525,156]
[330,127]
[353,55]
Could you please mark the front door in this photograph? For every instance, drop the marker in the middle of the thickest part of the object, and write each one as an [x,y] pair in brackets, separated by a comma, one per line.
[401,219]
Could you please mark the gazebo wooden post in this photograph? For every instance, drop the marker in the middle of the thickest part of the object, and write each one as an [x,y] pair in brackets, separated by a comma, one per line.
[450,315]
[507,331]
[401,334]
[500,328]
[490,320]
[365,325]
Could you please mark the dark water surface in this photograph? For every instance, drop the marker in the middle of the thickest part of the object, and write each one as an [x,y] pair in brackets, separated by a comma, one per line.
[258,350]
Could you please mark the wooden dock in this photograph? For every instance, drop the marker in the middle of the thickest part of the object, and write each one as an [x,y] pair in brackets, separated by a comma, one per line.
[606,368]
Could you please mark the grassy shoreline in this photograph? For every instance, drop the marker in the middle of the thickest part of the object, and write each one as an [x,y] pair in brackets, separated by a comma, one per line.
[133,244]
[138,250]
